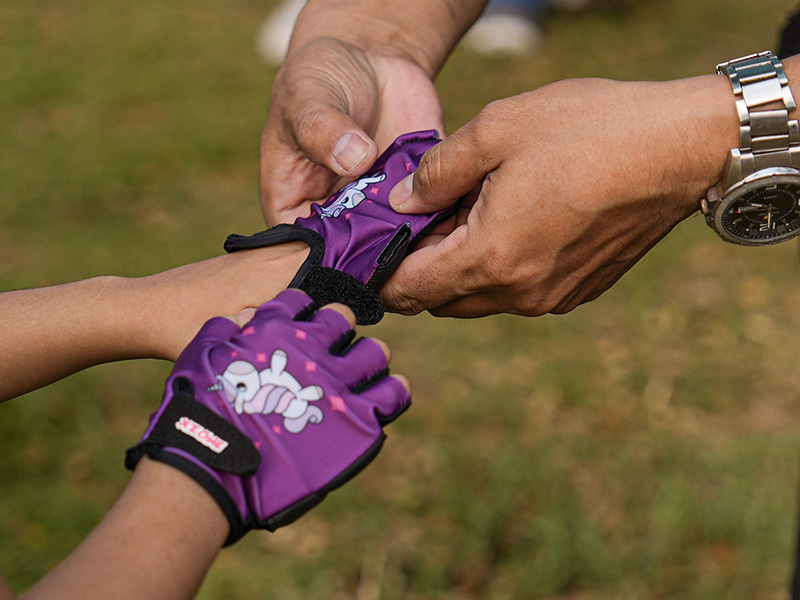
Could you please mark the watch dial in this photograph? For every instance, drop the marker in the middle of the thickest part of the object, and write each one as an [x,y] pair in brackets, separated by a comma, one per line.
[765,214]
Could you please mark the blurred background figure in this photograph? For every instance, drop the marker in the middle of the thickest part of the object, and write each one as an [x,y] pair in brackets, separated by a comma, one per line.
[272,38]
[507,27]
[512,26]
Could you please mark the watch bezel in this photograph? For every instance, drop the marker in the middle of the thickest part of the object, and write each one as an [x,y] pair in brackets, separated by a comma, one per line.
[753,182]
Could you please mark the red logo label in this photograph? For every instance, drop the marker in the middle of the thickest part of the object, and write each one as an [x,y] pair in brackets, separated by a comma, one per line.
[205,436]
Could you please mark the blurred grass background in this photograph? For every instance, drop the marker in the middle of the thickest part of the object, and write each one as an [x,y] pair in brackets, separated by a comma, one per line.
[644,446]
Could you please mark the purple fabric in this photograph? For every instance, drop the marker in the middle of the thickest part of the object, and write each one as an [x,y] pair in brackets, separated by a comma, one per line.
[357,222]
[356,240]
[278,382]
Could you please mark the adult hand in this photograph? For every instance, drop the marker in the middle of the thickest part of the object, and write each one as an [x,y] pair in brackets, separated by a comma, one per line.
[334,108]
[355,239]
[572,184]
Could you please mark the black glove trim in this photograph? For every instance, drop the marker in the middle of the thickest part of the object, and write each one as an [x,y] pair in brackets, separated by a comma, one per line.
[391,257]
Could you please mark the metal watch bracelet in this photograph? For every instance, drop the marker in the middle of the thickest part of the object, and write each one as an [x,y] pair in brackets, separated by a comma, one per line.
[767,136]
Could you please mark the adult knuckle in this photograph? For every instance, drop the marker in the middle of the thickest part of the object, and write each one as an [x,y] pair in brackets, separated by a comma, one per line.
[493,117]
[502,267]
[490,112]
[530,304]
[485,138]
[430,173]
[515,283]
[400,299]
[408,306]
[309,122]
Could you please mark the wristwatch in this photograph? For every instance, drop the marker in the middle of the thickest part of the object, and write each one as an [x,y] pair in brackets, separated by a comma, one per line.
[756,201]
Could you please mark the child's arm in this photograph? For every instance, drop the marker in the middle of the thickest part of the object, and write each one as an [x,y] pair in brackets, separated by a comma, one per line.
[158,541]
[163,534]
[49,333]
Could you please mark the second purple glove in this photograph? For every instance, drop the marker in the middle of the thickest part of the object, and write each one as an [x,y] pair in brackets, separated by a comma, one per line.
[270,417]
[357,240]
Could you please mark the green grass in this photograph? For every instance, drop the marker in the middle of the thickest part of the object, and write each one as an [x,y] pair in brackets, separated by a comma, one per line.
[645,446]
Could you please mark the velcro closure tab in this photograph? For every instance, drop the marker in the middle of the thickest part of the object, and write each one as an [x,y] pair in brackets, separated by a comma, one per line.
[194,428]
[326,285]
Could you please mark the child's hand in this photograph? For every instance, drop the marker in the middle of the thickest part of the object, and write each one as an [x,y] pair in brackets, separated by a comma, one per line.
[272,412]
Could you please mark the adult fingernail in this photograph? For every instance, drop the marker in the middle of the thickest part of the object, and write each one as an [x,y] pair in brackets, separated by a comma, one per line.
[350,150]
[401,193]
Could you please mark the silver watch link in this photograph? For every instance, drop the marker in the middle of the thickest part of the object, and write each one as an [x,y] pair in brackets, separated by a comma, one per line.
[756,201]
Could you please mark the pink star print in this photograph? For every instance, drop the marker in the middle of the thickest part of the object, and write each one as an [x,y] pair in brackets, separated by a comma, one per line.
[261,357]
[374,190]
[300,335]
[408,167]
[249,331]
[311,366]
[337,403]
[276,429]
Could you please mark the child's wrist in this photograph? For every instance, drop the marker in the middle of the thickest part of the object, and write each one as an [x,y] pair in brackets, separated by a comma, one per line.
[167,309]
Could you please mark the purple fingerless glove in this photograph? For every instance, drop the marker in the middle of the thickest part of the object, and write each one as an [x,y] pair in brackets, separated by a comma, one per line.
[357,240]
[270,417]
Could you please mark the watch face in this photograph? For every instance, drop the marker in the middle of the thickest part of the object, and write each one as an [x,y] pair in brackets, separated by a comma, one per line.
[764,215]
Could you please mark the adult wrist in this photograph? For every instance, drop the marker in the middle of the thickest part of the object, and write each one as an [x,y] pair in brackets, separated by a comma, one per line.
[718,130]
[393,43]
[699,126]
[754,202]
[424,32]
[727,121]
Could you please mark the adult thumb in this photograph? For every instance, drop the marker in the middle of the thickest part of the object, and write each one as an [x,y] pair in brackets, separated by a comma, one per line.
[328,136]
[449,170]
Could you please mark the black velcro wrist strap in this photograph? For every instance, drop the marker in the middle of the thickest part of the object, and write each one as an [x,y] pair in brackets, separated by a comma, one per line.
[326,285]
[194,428]
[323,284]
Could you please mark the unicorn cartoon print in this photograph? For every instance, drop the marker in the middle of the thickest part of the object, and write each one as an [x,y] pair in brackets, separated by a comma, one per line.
[351,195]
[273,390]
